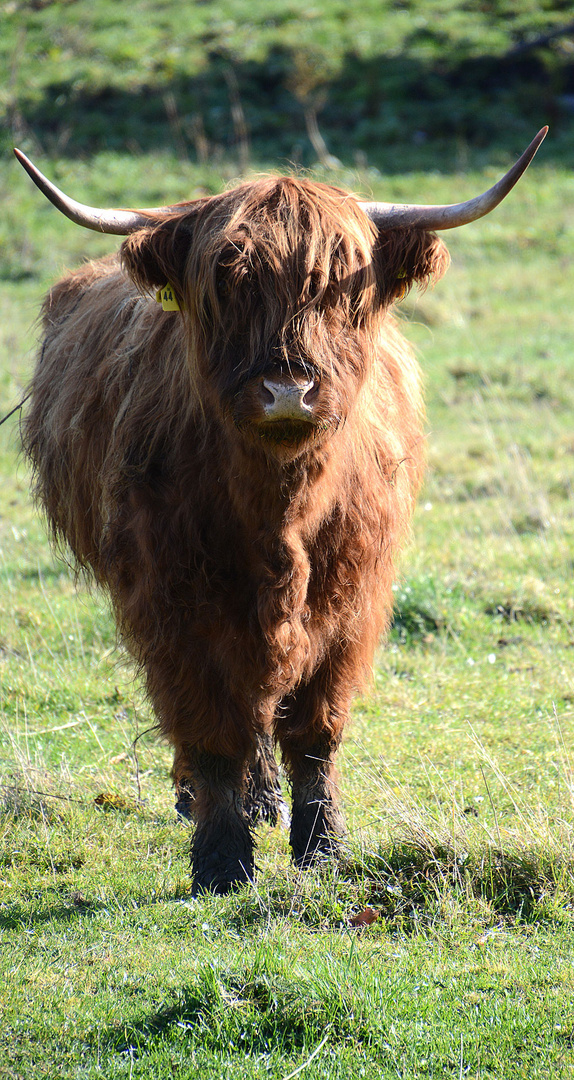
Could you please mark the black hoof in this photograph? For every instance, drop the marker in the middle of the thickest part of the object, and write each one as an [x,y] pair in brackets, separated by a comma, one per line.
[219,878]
[266,806]
[328,849]
[317,834]
[222,856]
[219,881]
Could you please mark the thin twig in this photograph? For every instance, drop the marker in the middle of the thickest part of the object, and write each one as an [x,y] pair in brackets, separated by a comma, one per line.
[60,727]
[15,409]
[136,759]
[309,1059]
[492,807]
[7,788]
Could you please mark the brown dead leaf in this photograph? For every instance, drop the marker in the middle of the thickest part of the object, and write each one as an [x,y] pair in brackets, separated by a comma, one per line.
[365,917]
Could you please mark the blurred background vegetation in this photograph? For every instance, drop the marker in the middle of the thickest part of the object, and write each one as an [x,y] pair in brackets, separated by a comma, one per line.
[394,84]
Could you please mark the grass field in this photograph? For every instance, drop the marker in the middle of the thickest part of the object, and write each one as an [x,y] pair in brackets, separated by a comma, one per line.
[457,773]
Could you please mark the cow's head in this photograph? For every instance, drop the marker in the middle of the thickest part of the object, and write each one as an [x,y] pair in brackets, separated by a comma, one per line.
[283,284]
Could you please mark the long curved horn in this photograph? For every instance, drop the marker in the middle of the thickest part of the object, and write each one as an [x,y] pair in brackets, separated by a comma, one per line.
[120,222]
[393,215]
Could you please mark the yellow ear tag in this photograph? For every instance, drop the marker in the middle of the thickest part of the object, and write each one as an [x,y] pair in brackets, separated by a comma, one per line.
[402,274]
[167,298]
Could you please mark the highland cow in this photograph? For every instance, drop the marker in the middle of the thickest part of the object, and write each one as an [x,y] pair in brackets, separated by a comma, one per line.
[239,475]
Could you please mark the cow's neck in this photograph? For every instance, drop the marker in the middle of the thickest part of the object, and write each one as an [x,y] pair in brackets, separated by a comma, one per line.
[281,509]
[282,500]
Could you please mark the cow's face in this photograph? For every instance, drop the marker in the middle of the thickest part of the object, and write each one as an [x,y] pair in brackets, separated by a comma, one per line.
[282,340]
[285,285]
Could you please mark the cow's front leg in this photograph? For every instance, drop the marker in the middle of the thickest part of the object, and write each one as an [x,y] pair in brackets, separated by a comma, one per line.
[317,824]
[222,845]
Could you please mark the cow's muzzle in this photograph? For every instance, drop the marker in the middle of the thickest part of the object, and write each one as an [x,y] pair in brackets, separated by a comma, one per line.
[285,410]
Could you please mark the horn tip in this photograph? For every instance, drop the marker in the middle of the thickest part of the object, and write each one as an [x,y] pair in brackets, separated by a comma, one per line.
[21,157]
[536,143]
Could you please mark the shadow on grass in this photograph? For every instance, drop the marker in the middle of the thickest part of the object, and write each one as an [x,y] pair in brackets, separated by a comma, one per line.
[411,880]
[15,915]
[242,1011]
[413,885]
[188,1012]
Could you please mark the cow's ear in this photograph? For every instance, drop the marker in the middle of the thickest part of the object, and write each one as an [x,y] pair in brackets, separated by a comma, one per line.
[406,256]
[152,257]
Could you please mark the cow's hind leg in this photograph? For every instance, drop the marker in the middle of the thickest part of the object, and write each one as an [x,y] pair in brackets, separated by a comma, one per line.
[184,799]
[263,799]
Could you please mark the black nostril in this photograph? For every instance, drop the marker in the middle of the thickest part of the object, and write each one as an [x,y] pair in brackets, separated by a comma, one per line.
[266,393]
[310,396]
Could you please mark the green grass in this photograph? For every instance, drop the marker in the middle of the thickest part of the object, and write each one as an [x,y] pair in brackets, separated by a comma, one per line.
[457,772]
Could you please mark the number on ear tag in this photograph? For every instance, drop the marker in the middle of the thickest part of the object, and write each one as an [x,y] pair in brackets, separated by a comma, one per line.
[167,298]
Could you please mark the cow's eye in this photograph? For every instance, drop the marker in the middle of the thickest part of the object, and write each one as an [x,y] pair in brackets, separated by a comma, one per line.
[316,284]
[223,286]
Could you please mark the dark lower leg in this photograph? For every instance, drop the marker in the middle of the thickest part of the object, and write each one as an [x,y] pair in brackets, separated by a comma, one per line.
[222,845]
[263,799]
[184,799]
[184,794]
[317,824]
[309,729]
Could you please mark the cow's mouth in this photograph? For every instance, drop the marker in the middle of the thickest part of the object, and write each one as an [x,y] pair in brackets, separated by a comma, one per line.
[289,433]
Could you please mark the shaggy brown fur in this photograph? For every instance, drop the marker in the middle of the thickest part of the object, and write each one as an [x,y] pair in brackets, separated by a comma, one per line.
[250,565]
